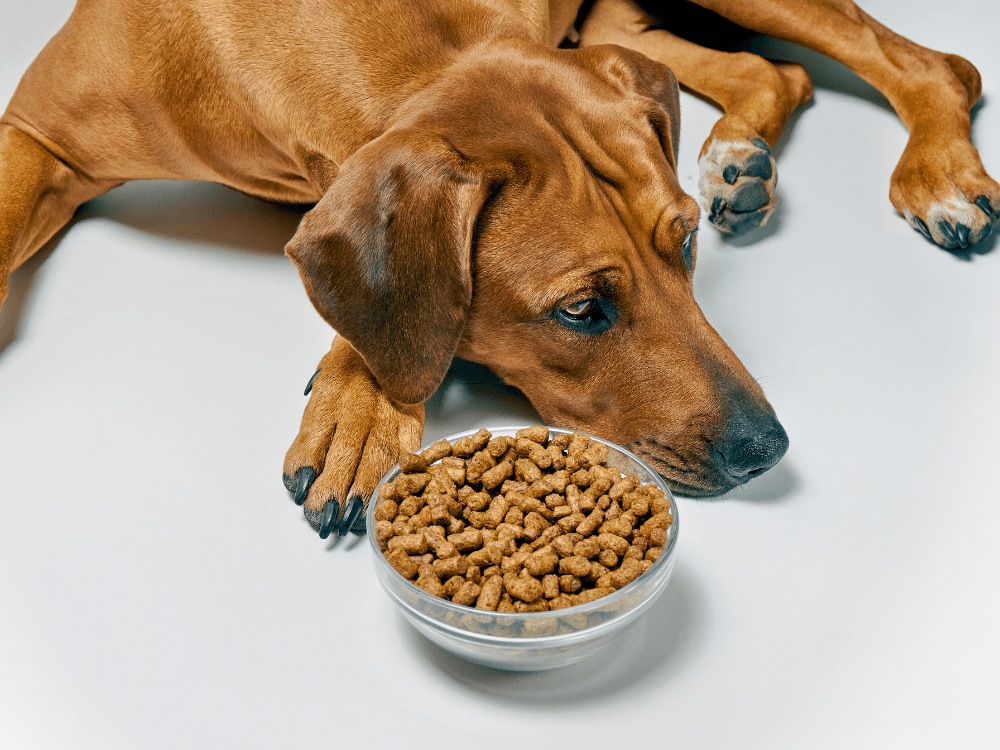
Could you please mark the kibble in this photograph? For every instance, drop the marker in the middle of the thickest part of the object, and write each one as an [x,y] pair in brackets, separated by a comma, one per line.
[523,524]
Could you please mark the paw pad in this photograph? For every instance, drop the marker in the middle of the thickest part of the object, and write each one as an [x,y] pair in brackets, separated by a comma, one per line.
[737,183]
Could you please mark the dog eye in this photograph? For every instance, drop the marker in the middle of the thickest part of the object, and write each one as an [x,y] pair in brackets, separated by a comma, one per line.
[589,316]
[580,310]
[687,251]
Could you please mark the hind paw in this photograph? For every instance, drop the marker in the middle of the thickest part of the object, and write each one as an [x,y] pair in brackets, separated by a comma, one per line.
[737,184]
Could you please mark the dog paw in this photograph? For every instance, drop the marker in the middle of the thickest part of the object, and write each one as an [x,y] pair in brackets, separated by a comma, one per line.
[945,194]
[351,436]
[737,183]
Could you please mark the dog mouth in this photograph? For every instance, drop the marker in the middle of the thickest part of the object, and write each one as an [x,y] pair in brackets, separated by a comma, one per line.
[685,477]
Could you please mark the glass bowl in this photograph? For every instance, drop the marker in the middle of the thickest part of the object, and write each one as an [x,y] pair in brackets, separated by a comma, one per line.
[531,641]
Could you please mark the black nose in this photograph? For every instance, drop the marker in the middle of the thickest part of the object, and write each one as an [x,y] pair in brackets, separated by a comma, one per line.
[751,450]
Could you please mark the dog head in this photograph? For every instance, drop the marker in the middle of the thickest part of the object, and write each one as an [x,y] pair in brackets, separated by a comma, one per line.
[524,213]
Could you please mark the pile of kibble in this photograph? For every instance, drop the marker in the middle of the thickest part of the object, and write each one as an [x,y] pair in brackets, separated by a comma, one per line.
[523,524]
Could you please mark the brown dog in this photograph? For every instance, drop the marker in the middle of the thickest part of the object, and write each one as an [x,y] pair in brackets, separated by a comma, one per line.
[479,192]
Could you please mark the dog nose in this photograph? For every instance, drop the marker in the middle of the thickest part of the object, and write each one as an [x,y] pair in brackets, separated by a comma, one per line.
[745,453]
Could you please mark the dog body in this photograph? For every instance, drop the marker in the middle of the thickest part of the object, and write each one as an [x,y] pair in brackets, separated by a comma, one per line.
[478,191]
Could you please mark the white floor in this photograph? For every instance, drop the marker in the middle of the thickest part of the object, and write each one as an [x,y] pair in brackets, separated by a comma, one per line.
[159,589]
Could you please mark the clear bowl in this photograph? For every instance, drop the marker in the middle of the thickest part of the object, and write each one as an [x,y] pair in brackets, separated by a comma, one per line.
[531,641]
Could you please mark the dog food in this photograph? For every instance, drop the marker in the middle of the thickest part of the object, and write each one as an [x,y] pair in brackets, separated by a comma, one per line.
[519,524]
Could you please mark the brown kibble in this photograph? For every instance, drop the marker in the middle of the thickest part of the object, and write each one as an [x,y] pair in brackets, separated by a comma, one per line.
[410,463]
[383,532]
[499,445]
[489,595]
[538,433]
[587,548]
[626,573]
[565,543]
[437,451]
[479,463]
[402,563]
[451,566]
[570,584]
[614,543]
[452,585]
[618,526]
[386,510]
[463,447]
[550,586]
[542,561]
[495,476]
[658,537]
[468,594]
[411,506]
[490,554]
[574,566]
[527,471]
[623,486]
[410,544]
[589,595]
[523,587]
[591,523]
[468,540]
[513,525]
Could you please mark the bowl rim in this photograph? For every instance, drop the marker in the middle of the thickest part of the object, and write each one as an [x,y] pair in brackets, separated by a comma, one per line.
[461,609]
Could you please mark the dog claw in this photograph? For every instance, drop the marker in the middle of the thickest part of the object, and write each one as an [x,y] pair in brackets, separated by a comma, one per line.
[328,519]
[762,145]
[351,513]
[923,228]
[731,173]
[303,481]
[309,385]
[948,233]
[963,235]
[984,204]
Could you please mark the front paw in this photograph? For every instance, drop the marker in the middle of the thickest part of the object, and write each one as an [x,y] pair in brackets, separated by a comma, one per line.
[945,194]
[351,435]
[737,182]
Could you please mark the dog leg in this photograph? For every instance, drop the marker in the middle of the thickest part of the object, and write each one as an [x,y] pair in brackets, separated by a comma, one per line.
[38,195]
[738,175]
[351,435]
[940,185]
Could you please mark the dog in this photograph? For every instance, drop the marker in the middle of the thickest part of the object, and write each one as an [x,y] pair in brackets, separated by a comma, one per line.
[489,179]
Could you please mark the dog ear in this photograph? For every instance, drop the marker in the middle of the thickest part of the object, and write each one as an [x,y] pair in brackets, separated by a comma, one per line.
[634,73]
[386,254]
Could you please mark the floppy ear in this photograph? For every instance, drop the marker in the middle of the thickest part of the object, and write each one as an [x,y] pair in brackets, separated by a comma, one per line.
[386,254]
[633,72]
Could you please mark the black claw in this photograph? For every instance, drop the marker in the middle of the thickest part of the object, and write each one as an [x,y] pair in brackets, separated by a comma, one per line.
[303,481]
[731,173]
[718,206]
[749,197]
[762,145]
[351,513]
[359,526]
[923,228]
[963,235]
[289,481]
[948,233]
[329,518]
[309,385]
[758,165]
[984,204]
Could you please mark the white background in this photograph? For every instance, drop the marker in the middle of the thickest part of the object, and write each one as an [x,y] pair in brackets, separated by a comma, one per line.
[159,589]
